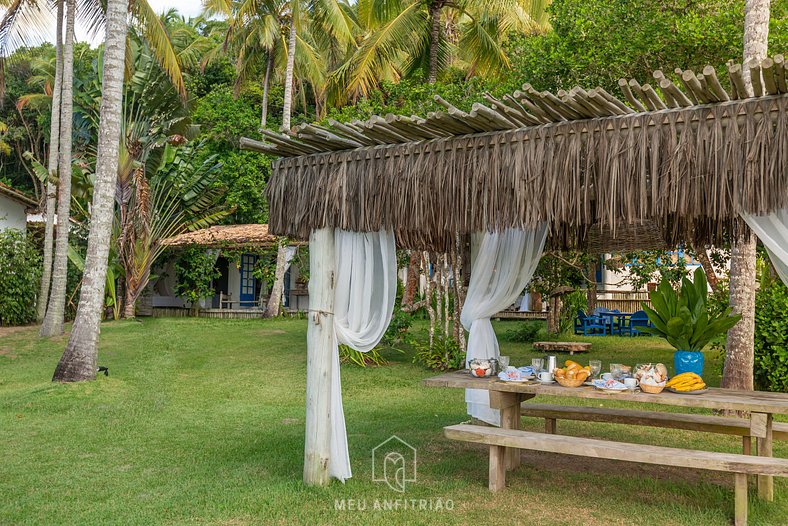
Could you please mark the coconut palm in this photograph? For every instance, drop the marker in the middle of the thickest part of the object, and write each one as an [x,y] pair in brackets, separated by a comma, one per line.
[291,34]
[54,150]
[402,37]
[152,29]
[79,358]
[740,348]
[53,320]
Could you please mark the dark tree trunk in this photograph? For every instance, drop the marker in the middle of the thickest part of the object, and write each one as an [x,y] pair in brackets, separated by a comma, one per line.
[412,280]
[536,302]
[591,286]
[554,315]
[703,258]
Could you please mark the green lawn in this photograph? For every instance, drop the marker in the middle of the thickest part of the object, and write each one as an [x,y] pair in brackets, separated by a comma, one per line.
[202,422]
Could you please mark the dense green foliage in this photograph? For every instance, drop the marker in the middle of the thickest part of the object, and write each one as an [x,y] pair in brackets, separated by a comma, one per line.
[195,270]
[771,336]
[683,317]
[19,279]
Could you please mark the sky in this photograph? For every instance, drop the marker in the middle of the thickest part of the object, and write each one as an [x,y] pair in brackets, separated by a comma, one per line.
[188,8]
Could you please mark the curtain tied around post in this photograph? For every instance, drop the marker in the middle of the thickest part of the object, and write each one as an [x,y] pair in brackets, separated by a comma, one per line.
[366,287]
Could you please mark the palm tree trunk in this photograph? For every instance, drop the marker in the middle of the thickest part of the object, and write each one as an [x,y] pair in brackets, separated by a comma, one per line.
[130,304]
[266,83]
[79,358]
[435,36]
[275,300]
[51,189]
[53,320]
[288,102]
[740,349]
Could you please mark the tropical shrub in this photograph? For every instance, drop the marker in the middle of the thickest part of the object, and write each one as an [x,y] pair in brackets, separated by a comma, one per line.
[372,358]
[20,278]
[683,318]
[195,268]
[771,337]
[572,302]
[524,332]
[445,354]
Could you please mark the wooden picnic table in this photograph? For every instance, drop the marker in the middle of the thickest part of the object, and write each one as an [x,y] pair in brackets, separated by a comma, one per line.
[570,347]
[507,397]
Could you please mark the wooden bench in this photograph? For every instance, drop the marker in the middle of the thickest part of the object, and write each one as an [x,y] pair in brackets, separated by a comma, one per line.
[500,439]
[703,423]
[570,347]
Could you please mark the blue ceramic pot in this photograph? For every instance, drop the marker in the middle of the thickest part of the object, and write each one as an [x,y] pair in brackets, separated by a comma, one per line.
[688,362]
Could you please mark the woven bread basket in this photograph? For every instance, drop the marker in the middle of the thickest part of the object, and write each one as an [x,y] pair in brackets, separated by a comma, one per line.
[567,382]
[652,388]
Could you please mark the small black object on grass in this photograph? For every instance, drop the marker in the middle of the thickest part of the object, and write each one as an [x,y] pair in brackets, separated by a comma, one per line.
[102,369]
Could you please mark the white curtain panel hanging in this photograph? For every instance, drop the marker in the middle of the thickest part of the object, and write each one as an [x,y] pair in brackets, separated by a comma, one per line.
[772,230]
[505,263]
[366,287]
[290,253]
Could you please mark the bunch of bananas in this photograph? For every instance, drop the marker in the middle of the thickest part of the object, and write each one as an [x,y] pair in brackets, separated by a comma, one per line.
[685,382]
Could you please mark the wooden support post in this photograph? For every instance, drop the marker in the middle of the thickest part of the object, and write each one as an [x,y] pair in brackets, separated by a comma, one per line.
[746,445]
[509,406]
[761,428]
[740,496]
[319,356]
[497,468]
[549,425]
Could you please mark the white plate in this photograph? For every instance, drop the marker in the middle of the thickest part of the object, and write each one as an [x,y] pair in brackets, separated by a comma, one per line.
[546,383]
[607,390]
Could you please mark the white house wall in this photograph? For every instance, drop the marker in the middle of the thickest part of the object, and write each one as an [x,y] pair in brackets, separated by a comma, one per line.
[617,280]
[164,287]
[12,214]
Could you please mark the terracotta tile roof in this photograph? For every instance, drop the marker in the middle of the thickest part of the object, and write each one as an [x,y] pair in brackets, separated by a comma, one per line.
[225,236]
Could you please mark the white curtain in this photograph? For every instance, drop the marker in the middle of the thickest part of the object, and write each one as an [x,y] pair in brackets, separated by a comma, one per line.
[772,230]
[505,263]
[366,287]
[290,252]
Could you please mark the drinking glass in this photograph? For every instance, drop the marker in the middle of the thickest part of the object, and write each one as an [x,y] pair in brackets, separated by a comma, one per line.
[536,365]
[615,370]
[503,361]
[595,366]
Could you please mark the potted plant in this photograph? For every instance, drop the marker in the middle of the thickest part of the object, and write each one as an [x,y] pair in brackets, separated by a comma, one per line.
[682,318]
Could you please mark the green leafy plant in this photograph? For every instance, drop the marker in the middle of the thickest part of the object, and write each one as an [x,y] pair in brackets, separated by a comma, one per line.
[372,358]
[19,279]
[397,332]
[683,318]
[195,269]
[771,336]
[444,355]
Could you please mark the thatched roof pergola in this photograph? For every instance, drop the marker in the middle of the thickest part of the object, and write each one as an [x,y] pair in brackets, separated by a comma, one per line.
[668,164]
[678,164]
